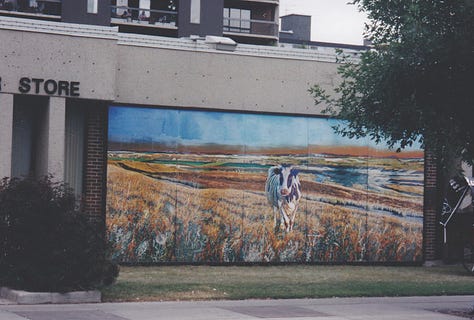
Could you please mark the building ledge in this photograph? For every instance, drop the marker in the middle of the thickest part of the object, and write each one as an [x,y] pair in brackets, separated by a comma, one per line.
[130,39]
[250,35]
[275,2]
[198,44]
[62,28]
[21,14]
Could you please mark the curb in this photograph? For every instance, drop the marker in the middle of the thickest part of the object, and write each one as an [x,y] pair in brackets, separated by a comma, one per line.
[26,297]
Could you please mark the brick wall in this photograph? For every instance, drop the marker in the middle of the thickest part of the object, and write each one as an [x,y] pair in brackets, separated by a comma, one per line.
[431,229]
[95,163]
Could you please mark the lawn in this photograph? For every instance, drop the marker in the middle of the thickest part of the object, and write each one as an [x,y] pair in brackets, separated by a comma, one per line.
[284,282]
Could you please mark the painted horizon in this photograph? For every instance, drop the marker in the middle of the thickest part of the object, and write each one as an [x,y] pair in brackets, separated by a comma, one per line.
[155,130]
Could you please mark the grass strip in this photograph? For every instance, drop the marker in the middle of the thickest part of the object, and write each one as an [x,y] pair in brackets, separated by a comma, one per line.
[166,283]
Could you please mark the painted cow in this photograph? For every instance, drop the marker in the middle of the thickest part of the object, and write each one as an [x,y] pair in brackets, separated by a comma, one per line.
[283,191]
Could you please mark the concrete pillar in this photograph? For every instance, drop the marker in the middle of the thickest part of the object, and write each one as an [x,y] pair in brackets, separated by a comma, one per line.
[6,134]
[56,137]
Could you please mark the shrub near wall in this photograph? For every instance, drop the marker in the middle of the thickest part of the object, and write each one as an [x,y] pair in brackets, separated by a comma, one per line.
[45,244]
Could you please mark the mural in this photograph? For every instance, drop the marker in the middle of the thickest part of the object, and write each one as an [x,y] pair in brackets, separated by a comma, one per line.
[221,187]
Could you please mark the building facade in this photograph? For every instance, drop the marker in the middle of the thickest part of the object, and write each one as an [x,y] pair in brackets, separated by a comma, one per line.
[245,21]
[200,125]
[295,27]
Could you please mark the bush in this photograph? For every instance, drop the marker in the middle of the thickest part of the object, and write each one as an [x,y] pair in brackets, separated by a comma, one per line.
[47,245]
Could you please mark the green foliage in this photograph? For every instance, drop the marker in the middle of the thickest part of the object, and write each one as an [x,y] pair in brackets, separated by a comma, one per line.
[45,244]
[416,83]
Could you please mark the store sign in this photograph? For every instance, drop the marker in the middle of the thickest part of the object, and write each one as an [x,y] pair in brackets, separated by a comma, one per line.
[49,86]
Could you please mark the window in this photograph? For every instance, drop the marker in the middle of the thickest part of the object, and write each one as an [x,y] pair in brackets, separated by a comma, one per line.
[92,6]
[245,19]
[120,9]
[237,20]
[144,9]
[74,147]
[195,11]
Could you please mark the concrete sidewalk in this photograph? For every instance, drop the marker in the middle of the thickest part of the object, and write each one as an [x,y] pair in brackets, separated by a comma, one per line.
[429,308]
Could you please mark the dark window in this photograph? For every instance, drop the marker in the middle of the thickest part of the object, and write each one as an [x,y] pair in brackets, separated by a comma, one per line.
[236,20]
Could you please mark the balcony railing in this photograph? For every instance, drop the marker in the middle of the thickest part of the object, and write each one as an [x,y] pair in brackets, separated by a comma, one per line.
[151,17]
[251,27]
[264,1]
[45,8]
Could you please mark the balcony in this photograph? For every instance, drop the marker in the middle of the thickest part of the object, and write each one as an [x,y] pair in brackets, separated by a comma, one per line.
[263,1]
[250,28]
[250,23]
[39,9]
[140,17]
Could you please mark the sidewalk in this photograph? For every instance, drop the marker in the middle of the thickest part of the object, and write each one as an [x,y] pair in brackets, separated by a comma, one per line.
[429,308]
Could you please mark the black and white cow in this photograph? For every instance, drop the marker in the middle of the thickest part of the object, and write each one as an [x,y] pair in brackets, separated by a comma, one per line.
[283,191]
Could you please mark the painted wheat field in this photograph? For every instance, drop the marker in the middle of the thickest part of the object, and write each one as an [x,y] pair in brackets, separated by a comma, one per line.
[202,202]
[206,210]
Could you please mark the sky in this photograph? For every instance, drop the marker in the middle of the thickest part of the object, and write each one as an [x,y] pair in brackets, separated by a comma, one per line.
[331,20]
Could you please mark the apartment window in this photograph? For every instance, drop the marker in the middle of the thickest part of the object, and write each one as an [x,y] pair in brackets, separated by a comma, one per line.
[195,11]
[237,20]
[92,6]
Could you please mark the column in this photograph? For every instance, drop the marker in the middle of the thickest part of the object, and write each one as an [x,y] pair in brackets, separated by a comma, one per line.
[6,134]
[56,137]
[95,165]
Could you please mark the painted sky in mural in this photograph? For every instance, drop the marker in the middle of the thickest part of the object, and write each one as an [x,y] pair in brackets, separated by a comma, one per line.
[189,127]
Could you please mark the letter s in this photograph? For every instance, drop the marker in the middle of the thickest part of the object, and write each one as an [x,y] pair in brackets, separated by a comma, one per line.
[24,85]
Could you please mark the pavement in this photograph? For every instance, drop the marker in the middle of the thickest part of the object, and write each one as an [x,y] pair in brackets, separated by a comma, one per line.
[420,308]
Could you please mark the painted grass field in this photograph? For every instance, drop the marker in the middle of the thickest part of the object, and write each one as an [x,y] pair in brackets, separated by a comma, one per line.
[202,208]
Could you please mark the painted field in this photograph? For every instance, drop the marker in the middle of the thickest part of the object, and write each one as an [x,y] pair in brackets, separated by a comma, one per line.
[189,186]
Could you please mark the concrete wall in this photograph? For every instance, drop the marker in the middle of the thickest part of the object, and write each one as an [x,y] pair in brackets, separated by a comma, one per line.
[218,81]
[160,71]
[58,51]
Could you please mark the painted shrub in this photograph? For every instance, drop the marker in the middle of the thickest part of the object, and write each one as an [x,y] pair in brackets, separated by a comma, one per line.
[189,186]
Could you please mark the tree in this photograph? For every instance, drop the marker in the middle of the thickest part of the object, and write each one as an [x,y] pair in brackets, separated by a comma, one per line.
[416,84]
